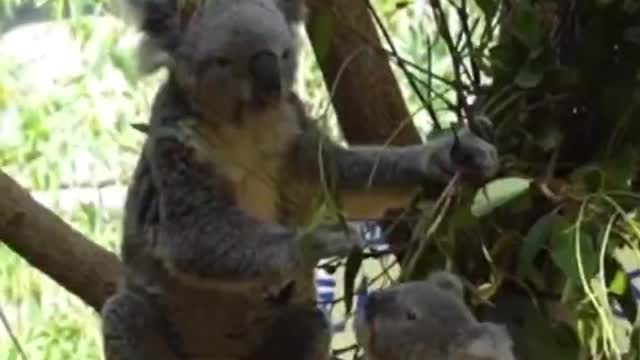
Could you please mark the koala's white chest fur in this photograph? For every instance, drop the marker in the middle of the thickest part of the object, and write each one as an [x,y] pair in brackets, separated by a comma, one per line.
[252,155]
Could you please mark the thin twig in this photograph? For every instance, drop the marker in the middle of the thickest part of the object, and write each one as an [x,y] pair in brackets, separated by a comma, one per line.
[402,66]
[443,27]
[12,335]
[463,15]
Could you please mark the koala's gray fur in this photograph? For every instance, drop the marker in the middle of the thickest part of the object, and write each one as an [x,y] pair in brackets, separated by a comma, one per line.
[427,320]
[217,264]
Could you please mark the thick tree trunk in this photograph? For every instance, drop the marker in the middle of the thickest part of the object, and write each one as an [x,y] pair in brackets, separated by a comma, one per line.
[367,98]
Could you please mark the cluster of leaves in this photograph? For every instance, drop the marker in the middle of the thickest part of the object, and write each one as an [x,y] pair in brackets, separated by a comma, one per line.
[569,69]
[554,242]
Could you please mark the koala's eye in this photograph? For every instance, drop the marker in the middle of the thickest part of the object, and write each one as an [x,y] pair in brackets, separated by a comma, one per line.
[410,315]
[286,54]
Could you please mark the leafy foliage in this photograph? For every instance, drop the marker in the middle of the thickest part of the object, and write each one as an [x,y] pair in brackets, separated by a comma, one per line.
[556,236]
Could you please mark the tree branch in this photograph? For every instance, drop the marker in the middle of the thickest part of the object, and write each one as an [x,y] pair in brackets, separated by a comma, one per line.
[368,101]
[52,246]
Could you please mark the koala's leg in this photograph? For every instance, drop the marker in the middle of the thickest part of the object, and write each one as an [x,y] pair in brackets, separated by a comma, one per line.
[132,330]
[298,333]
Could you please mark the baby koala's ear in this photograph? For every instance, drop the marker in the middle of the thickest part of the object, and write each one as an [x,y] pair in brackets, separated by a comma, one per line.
[448,282]
[483,341]
[294,10]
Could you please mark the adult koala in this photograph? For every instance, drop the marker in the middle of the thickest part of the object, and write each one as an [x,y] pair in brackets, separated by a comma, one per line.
[230,174]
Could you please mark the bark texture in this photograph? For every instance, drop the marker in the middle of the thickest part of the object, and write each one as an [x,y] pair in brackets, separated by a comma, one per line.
[52,246]
[367,98]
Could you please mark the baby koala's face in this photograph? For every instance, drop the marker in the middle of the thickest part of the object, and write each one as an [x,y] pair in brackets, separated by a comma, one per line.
[396,322]
[426,320]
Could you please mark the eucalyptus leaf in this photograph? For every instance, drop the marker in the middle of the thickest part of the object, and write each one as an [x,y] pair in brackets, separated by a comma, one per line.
[488,8]
[535,241]
[618,285]
[563,251]
[529,77]
[354,261]
[497,193]
[545,341]
[527,25]
[402,4]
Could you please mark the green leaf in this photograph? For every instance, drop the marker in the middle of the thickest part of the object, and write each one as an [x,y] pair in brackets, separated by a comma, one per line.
[542,340]
[503,59]
[125,62]
[497,193]
[549,136]
[402,4]
[527,26]
[620,170]
[535,241]
[90,212]
[588,177]
[563,251]
[618,285]
[354,260]
[529,76]
[488,8]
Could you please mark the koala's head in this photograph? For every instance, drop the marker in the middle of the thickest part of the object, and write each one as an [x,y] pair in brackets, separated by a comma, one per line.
[416,320]
[224,54]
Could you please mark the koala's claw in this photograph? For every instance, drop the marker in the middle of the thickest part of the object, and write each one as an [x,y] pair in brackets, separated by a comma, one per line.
[330,241]
[462,152]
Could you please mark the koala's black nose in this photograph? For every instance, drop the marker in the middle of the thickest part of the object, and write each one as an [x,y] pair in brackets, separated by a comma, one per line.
[265,73]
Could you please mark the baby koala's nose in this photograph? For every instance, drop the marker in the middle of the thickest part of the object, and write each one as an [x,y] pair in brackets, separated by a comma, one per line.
[265,74]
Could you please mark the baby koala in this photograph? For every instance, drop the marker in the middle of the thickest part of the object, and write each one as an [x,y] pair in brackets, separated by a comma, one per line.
[427,320]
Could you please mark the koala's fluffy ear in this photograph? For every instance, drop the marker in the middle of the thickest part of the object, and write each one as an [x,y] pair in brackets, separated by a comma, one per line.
[161,21]
[448,282]
[293,10]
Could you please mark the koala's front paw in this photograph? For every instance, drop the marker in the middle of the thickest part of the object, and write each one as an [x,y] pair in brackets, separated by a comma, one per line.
[470,155]
[327,241]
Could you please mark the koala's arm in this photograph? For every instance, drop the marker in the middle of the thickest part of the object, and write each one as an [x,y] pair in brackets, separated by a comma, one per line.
[372,179]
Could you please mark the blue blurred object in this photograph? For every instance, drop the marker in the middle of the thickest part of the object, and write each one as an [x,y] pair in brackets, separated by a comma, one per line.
[325,283]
